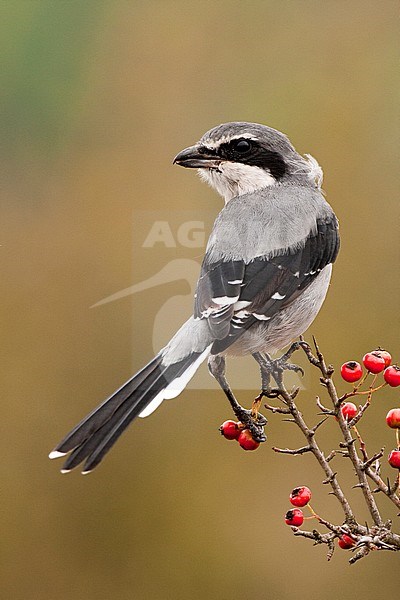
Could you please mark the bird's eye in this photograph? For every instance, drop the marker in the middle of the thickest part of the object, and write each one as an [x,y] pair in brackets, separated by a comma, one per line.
[242,146]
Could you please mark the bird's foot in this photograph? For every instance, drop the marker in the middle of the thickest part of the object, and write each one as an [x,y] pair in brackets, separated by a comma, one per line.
[253,420]
[280,365]
[276,368]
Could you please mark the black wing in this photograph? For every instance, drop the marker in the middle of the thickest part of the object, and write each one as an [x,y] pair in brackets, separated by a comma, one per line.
[233,295]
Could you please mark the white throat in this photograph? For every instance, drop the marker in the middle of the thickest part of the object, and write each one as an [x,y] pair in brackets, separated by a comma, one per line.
[235,179]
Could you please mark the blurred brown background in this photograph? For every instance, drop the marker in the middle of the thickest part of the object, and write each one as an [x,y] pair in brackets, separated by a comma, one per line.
[97,98]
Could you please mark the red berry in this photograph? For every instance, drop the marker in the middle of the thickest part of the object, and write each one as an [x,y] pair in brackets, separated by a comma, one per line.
[351,371]
[393,418]
[346,542]
[246,440]
[349,410]
[374,362]
[300,496]
[394,459]
[230,430]
[392,375]
[294,517]
[387,357]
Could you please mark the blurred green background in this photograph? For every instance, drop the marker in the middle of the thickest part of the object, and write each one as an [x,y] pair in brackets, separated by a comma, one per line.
[97,98]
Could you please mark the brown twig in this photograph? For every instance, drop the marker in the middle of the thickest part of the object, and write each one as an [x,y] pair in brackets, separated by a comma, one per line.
[317,452]
[327,373]
[302,450]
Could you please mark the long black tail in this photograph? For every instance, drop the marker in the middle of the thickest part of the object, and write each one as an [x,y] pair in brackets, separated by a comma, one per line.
[93,437]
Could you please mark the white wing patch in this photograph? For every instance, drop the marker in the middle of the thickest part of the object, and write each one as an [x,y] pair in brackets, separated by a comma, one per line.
[223,300]
[261,317]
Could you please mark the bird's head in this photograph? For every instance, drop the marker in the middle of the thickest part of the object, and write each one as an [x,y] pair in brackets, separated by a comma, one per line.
[239,158]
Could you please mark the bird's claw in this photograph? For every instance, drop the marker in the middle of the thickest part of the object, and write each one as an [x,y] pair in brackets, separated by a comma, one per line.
[255,423]
[271,393]
[281,365]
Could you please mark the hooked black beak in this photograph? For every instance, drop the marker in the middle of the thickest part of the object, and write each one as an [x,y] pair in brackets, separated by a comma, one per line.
[193,158]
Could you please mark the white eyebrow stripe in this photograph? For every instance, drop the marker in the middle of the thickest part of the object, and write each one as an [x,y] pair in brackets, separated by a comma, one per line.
[235,282]
[213,144]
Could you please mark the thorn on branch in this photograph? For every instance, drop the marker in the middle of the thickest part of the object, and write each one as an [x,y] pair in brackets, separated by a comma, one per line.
[308,352]
[323,408]
[317,350]
[314,429]
[371,460]
[364,551]
[277,409]
[331,550]
[361,411]
[294,392]
[395,487]
[331,455]
[347,444]
[329,479]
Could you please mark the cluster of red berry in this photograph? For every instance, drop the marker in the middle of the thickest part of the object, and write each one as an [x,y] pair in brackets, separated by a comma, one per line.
[375,362]
[232,430]
[299,497]
[294,517]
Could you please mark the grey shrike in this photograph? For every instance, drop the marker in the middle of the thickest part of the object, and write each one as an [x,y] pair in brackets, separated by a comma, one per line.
[263,279]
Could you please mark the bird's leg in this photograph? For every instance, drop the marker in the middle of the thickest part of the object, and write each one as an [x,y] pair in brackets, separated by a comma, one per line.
[216,366]
[252,419]
[275,368]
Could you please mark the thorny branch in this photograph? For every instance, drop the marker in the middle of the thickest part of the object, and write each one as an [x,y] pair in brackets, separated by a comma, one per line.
[378,536]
